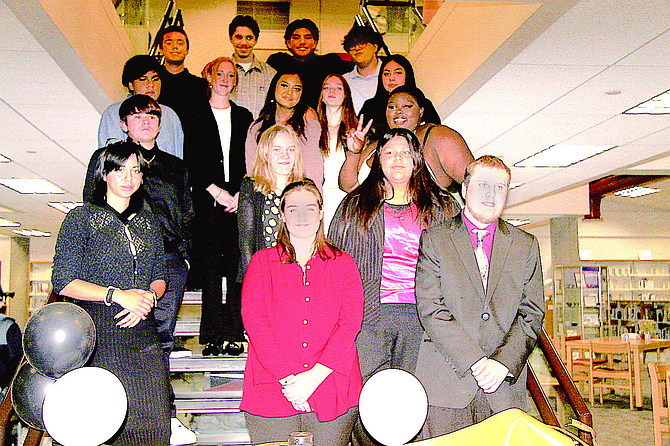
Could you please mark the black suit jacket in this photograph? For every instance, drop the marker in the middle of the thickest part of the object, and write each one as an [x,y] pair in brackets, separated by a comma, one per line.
[205,159]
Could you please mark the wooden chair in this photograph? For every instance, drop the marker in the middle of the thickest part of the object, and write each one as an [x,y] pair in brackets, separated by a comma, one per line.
[660,378]
[600,375]
[580,364]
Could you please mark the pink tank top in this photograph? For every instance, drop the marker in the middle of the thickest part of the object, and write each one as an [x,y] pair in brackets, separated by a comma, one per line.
[402,231]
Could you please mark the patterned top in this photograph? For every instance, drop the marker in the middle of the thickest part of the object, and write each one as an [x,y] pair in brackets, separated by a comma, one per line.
[271,219]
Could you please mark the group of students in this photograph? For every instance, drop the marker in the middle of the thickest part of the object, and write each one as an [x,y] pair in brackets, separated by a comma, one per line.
[313,216]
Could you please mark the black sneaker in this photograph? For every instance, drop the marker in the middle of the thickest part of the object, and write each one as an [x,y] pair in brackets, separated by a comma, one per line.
[234,349]
[211,350]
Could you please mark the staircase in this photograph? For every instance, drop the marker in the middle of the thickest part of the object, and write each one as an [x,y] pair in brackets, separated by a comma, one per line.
[208,389]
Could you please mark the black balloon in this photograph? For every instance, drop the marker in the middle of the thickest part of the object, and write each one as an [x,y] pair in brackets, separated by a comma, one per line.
[58,338]
[28,391]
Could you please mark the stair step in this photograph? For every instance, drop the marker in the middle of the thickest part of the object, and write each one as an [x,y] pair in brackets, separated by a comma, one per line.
[210,394]
[198,363]
[187,326]
[192,298]
[207,405]
[225,439]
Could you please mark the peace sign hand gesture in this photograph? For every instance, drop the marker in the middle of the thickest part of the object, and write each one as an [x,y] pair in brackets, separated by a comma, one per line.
[356,138]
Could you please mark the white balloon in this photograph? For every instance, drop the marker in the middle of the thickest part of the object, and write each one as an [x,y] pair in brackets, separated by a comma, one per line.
[393,406]
[85,407]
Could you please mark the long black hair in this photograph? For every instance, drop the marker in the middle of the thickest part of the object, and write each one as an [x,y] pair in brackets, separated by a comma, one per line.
[375,108]
[267,114]
[364,201]
[111,158]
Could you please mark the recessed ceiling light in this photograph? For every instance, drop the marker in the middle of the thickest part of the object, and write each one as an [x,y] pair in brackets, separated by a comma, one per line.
[518,222]
[4,159]
[8,223]
[65,206]
[636,191]
[562,156]
[31,233]
[658,105]
[31,186]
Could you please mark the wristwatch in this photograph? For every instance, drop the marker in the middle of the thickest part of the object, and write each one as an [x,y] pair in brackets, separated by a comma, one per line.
[108,296]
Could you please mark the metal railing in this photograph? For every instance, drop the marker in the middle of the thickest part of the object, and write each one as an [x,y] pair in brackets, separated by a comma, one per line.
[400,22]
[169,19]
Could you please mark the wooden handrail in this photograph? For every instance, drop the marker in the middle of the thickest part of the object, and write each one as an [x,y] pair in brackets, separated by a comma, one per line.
[34,435]
[541,402]
[567,386]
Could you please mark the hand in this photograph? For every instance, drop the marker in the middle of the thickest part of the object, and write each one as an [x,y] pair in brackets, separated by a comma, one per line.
[229,202]
[299,388]
[232,204]
[147,295]
[300,407]
[356,138]
[129,319]
[138,302]
[489,374]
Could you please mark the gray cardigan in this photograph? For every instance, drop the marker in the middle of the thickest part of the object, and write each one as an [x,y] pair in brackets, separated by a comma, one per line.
[367,248]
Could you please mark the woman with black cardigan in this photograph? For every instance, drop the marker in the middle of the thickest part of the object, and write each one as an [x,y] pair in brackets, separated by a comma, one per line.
[216,172]
[110,260]
[278,162]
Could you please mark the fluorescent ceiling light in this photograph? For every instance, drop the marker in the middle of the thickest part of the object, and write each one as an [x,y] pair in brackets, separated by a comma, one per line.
[658,105]
[65,206]
[4,159]
[31,233]
[8,223]
[31,186]
[562,155]
[518,222]
[636,191]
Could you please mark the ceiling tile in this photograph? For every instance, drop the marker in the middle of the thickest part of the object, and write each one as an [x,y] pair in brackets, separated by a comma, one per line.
[598,32]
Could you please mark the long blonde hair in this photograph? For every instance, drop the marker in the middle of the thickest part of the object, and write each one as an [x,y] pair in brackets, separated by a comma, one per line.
[262,173]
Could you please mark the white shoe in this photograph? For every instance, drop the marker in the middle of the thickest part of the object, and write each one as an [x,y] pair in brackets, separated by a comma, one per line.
[180,434]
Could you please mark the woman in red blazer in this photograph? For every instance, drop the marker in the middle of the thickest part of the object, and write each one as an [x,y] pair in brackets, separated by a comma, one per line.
[302,307]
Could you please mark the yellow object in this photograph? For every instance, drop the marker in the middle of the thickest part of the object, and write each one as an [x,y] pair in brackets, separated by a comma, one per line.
[512,427]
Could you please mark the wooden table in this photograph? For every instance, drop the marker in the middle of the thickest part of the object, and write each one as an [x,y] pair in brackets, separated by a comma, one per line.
[637,346]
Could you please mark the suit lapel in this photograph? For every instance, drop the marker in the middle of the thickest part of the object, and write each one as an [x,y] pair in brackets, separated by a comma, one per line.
[463,243]
[502,241]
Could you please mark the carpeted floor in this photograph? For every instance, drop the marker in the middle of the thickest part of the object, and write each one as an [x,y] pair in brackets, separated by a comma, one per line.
[616,425]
